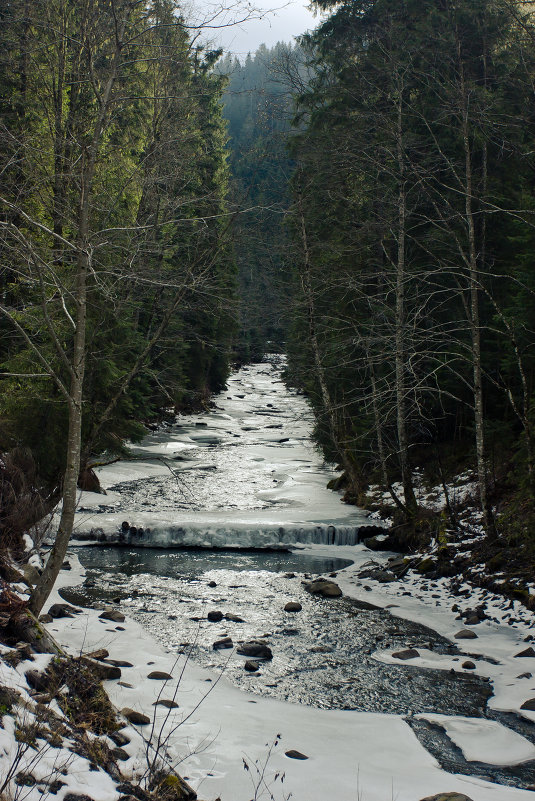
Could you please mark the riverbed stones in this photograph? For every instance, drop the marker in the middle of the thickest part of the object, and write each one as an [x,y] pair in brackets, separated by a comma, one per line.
[102,670]
[447,797]
[226,642]
[215,616]
[529,705]
[102,653]
[119,738]
[293,606]
[469,665]
[234,618]
[255,649]
[324,587]
[472,619]
[407,653]
[251,666]
[63,610]
[529,652]
[112,614]
[168,703]
[378,574]
[135,717]
[159,675]
[293,754]
[465,634]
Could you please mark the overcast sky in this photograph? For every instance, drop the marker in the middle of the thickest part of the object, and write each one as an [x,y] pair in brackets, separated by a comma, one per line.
[280,22]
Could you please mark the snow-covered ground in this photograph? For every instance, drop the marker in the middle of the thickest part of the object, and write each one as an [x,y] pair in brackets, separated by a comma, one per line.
[230,744]
[217,727]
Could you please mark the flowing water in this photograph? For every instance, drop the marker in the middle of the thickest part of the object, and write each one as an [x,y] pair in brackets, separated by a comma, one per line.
[247,475]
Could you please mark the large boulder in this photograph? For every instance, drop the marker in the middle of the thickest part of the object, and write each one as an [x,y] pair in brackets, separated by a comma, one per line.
[324,587]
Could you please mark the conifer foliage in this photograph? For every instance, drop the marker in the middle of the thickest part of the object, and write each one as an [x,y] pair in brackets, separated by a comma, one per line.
[116,273]
[412,222]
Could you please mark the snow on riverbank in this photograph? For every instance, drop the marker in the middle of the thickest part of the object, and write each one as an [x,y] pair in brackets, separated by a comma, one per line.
[250,465]
[349,752]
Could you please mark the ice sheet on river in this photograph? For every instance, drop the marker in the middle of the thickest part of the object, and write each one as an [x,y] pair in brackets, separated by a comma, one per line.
[246,474]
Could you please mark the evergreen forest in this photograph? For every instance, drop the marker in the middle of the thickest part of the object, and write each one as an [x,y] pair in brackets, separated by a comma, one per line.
[362,200]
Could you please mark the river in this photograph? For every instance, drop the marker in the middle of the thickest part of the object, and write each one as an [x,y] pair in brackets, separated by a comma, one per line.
[247,475]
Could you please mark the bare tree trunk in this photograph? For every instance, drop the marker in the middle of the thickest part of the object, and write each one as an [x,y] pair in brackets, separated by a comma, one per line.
[411,505]
[352,472]
[46,582]
[474,319]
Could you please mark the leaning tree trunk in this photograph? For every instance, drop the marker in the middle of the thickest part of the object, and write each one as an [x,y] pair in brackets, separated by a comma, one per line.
[56,557]
[46,582]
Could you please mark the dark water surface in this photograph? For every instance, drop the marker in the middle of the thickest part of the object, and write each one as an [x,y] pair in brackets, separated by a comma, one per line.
[192,563]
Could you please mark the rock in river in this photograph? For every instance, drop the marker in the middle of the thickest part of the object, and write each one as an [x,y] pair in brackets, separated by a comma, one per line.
[226,642]
[293,606]
[408,653]
[255,649]
[465,634]
[328,589]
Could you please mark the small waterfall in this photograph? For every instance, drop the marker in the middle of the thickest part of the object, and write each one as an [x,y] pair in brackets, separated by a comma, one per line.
[240,536]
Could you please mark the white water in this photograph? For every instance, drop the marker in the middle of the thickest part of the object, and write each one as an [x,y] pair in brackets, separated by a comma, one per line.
[244,475]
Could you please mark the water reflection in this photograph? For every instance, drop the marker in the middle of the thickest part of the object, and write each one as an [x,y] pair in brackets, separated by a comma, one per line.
[192,563]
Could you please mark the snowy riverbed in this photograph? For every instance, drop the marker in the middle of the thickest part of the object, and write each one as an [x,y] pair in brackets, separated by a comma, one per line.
[242,483]
[349,752]
[245,474]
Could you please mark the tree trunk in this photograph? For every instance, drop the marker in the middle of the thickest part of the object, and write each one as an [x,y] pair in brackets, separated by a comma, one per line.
[411,505]
[56,557]
[474,321]
[351,470]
